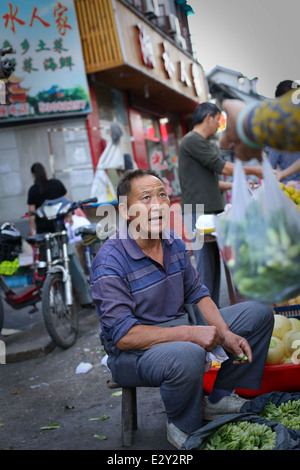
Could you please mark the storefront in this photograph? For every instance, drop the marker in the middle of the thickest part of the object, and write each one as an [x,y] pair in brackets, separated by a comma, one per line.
[141,79]
[81,65]
[47,91]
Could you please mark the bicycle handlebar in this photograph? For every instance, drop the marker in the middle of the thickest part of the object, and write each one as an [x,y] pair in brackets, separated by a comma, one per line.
[74,206]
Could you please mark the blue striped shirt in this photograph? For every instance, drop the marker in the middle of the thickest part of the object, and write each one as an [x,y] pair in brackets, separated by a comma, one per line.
[130,288]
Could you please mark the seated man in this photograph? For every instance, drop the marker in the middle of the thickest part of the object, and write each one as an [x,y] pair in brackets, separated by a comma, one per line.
[141,280]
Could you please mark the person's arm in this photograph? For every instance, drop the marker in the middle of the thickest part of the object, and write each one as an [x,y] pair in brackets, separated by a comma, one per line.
[225,185]
[249,170]
[31,208]
[294,168]
[146,336]
[273,123]
[216,333]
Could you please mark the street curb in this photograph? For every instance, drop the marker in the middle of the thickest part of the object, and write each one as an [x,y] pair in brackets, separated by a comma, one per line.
[29,344]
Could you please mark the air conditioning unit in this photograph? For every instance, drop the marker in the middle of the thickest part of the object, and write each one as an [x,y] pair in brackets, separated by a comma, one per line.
[181,41]
[173,24]
[151,8]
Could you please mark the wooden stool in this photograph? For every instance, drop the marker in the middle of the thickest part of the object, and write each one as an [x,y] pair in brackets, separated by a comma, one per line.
[128,413]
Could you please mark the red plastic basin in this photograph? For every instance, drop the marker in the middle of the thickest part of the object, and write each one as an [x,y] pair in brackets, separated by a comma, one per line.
[278,378]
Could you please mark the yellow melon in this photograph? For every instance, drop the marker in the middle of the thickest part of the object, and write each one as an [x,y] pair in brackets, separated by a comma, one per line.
[281,326]
[276,351]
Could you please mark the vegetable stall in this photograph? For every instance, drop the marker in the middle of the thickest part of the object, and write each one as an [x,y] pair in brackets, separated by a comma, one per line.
[259,240]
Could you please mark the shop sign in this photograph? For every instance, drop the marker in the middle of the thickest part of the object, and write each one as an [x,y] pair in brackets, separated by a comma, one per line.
[189,76]
[49,79]
[157,161]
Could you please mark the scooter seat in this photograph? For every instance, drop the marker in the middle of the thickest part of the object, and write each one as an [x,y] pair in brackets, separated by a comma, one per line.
[34,239]
[86,230]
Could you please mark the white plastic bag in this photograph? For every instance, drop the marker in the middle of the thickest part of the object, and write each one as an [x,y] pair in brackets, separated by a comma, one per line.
[259,239]
[102,187]
[112,158]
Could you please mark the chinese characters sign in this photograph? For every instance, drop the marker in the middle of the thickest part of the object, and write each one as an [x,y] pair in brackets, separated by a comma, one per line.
[49,76]
[189,76]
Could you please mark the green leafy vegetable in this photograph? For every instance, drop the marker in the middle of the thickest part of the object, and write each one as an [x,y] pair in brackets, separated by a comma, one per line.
[244,358]
[287,413]
[242,435]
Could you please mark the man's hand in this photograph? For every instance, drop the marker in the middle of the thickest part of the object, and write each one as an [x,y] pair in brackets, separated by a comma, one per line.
[238,346]
[206,336]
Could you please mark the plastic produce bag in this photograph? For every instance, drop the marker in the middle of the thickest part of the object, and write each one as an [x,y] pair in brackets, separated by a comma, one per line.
[284,441]
[259,239]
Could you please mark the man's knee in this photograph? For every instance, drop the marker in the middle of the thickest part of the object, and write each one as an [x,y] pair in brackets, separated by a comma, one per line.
[264,313]
[189,360]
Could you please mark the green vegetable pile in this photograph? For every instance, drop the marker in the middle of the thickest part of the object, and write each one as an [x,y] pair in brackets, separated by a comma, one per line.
[263,253]
[242,435]
[287,413]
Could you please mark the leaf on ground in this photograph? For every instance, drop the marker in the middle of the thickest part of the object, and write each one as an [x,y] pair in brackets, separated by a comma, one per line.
[101,438]
[117,394]
[102,417]
[50,426]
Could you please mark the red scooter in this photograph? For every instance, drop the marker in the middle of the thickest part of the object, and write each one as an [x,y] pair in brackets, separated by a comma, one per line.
[51,282]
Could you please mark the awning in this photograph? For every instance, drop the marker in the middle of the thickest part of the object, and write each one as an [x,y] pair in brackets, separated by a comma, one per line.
[184,5]
[223,91]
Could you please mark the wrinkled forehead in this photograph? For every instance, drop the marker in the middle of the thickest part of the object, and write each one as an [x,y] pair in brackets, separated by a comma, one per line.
[145,184]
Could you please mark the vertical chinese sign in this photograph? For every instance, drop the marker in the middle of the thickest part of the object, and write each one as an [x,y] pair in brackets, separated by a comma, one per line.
[49,78]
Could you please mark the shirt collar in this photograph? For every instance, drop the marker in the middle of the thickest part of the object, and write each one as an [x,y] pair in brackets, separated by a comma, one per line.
[132,247]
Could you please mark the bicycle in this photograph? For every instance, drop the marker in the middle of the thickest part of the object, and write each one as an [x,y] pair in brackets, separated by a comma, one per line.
[52,277]
[93,237]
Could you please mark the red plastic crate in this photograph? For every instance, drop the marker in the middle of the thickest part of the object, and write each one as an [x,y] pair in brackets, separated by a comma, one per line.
[277,378]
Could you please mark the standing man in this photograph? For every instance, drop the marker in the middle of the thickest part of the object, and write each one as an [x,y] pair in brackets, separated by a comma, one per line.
[200,163]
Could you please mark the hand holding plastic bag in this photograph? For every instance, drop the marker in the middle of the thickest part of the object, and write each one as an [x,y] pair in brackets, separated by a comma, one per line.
[259,239]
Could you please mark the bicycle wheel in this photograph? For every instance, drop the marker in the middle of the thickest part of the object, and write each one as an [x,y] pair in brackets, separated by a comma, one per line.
[60,319]
[1,314]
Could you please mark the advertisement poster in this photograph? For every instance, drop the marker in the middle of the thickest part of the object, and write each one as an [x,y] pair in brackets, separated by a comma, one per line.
[49,78]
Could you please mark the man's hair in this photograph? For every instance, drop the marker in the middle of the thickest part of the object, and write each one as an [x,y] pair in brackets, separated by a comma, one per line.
[202,110]
[285,86]
[124,185]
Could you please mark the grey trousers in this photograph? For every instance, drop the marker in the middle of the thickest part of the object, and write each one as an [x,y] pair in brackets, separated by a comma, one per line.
[178,367]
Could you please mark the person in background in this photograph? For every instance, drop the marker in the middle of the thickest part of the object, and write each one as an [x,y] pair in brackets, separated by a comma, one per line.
[72,222]
[200,163]
[52,188]
[281,160]
[42,189]
[274,123]
[290,170]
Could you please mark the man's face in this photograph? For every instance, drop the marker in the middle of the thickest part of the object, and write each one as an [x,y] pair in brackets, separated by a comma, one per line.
[148,207]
